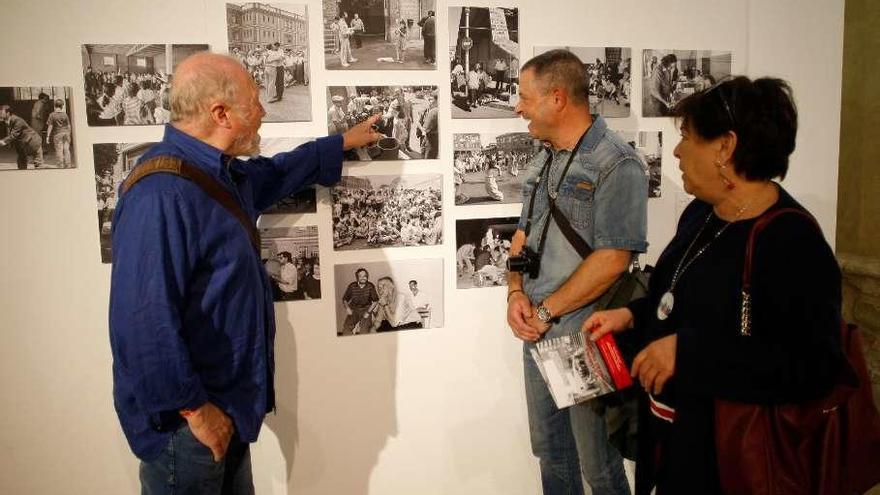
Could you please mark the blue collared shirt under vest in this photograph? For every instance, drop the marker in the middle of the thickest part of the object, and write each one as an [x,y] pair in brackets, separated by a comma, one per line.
[191,315]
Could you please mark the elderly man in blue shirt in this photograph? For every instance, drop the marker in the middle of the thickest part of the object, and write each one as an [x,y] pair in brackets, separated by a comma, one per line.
[192,323]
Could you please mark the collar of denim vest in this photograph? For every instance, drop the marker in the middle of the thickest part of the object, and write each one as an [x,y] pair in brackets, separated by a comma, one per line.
[595,133]
[197,152]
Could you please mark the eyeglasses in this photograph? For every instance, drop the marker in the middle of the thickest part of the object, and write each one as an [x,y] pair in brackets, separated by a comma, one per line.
[717,89]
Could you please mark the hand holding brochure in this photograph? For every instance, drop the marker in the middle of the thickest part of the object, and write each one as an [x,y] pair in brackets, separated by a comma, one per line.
[577,369]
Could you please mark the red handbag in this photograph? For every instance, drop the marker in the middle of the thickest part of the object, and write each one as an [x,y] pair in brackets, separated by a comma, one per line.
[827,446]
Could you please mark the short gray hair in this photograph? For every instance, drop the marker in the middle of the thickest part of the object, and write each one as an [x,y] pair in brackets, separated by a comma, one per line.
[562,69]
[192,94]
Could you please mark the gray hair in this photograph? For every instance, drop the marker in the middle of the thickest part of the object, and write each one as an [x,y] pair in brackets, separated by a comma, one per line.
[562,69]
[192,95]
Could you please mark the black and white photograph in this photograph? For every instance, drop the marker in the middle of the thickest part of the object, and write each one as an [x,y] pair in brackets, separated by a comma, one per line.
[482,248]
[385,296]
[671,75]
[113,162]
[131,84]
[36,128]
[649,147]
[484,62]
[302,201]
[490,168]
[573,369]
[387,211]
[290,256]
[409,122]
[380,34]
[271,41]
[610,82]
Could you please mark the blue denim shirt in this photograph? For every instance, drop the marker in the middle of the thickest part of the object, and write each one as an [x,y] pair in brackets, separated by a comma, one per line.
[191,315]
[604,195]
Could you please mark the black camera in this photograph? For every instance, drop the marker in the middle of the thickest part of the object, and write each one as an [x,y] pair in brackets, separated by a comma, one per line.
[526,262]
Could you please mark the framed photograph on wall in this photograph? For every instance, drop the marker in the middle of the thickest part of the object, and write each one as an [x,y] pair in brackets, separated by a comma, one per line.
[127,92]
[490,168]
[387,211]
[36,128]
[388,296]
[271,40]
[292,260]
[484,57]
[609,69]
[482,248]
[668,76]
[380,35]
[649,147]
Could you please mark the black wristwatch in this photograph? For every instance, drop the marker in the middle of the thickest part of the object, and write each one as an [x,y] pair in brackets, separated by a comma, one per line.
[544,313]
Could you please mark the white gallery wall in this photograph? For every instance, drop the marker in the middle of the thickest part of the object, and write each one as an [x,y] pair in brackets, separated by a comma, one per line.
[436,411]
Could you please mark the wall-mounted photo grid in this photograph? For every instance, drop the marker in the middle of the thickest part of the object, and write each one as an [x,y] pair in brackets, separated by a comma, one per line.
[388,296]
[36,128]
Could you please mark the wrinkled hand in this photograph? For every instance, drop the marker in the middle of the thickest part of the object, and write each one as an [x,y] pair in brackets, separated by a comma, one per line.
[601,323]
[212,427]
[655,365]
[362,134]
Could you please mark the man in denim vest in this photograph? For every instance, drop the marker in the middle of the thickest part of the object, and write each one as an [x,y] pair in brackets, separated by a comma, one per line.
[603,194]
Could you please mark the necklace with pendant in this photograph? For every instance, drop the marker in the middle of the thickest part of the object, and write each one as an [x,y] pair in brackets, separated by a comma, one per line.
[667,300]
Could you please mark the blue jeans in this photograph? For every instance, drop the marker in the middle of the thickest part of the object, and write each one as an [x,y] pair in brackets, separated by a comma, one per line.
[186,466]
[570,441]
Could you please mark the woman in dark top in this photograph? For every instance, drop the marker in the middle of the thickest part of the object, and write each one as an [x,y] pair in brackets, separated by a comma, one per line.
[736,137]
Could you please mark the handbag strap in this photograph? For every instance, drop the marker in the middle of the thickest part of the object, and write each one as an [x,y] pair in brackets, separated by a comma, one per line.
[760,224]
[220,194]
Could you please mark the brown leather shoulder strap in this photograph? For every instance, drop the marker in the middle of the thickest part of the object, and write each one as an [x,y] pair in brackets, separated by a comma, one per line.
[220,194]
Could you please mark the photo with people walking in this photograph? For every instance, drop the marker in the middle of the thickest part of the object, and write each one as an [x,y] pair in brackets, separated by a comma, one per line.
[36,128]
[490,168]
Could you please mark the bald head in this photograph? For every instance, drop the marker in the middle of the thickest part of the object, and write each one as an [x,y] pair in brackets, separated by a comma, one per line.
[202,80]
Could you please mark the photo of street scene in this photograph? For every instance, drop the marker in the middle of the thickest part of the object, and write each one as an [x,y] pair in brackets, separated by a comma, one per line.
[490,168]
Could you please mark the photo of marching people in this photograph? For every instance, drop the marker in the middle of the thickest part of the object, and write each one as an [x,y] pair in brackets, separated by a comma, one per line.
[671,75]
[36,130]
[386,296]
[303,201]
[482,248]
[131,84]
[409,122]
[380,34]
[484,58]
[387,211]
[113,162]
[649,147]
[490,168]
[610,69]
[271,41]
[291,258]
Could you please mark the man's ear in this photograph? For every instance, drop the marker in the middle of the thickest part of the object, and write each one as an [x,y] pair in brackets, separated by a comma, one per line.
[560,98]
[220,115]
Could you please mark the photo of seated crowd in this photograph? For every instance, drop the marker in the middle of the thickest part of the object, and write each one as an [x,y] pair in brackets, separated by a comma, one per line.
[409,122]
[482,248]
[383,296]
[292,261]
[484,58]
[270,40]
[490,168]
[671,75]
[649,147]
[36,130]
[387,211]
[377,35]
[113,162]
[610,69]
[131,84]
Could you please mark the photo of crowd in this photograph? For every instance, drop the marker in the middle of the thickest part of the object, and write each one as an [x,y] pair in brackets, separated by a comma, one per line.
[387,211]
[36,130]
[610,70]
[409,122]
[291,258]
[131,84]
[113,162]
[671,75]
[384,296]
[482,248]
[649,147]
[484,57]
[270,40]
[489,168]
[303,201]
[380,35]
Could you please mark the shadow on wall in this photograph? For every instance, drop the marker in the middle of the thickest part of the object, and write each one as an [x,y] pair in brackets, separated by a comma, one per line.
[335,410]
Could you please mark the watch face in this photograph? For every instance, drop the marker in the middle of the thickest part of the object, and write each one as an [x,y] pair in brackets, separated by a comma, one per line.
[543,313]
